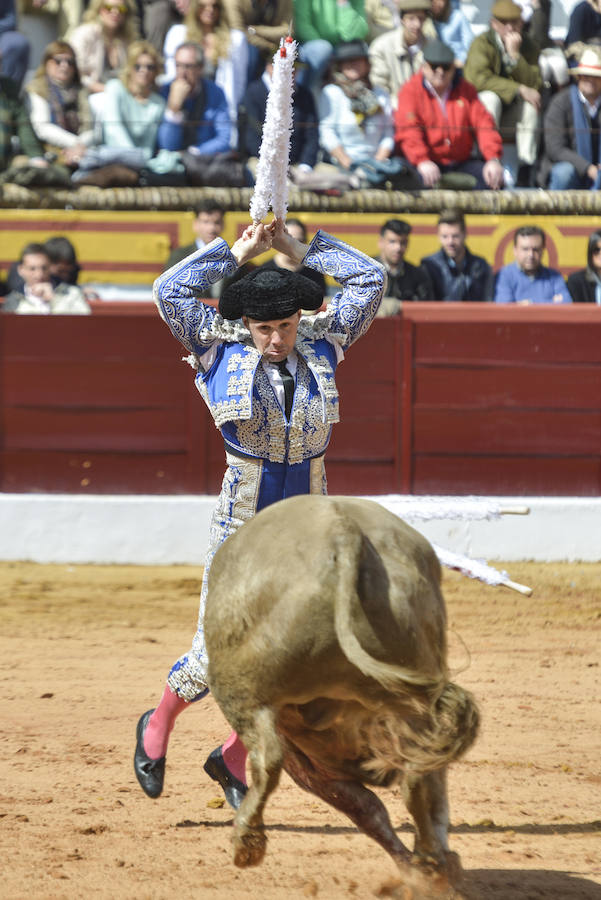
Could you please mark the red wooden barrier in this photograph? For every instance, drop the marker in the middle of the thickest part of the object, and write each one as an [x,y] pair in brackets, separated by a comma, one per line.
[501,400]
[447,398]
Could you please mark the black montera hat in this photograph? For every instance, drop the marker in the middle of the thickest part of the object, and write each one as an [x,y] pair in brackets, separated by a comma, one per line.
[267,294]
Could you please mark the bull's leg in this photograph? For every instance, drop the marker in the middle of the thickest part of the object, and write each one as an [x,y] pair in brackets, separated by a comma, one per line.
[427,801]
[265,755]
[368,812]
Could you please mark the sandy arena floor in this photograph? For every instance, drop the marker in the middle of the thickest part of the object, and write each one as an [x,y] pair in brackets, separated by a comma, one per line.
[84,651]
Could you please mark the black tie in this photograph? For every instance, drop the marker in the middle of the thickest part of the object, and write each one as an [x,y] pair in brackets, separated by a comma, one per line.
[288,382]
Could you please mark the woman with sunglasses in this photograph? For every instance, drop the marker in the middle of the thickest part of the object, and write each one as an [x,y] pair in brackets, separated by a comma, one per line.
[225,51]
[133,110]
[101,42]
[585,285]
[59,108]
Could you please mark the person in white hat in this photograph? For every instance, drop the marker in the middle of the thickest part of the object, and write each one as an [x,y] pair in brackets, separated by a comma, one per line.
[572,156]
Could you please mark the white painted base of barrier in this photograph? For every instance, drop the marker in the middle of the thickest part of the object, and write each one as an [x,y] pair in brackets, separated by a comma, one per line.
[150,530]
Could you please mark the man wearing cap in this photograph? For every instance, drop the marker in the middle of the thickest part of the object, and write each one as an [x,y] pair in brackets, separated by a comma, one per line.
[439,118]
[267,376]
[572,157]
[397,55]
[502,64]
[355,120]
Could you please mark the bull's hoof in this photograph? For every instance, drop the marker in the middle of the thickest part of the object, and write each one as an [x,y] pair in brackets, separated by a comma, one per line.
[453,867]
[425,883]
[249,848]
[449,865]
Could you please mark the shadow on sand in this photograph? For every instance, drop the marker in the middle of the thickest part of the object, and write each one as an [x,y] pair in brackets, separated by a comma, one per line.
[479,884]
[526,884]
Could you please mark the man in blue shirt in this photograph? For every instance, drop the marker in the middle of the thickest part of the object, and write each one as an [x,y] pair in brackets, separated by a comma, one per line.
[196,117]
[456,274]
[526,281]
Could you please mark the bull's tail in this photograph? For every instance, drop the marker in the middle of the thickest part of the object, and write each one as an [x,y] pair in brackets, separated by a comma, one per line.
[350,546]
[440,720]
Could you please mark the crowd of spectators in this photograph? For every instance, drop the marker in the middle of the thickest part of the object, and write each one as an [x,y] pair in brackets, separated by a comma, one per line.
[398,94]
[454,274]
[45,278]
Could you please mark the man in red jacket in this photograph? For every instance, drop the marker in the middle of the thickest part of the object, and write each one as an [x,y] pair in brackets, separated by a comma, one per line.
[439,118]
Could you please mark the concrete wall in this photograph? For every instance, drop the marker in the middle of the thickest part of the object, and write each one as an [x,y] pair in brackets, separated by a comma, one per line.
[154,530]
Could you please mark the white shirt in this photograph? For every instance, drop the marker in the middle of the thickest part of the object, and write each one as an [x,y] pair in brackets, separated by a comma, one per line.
[37,304]
[275,376]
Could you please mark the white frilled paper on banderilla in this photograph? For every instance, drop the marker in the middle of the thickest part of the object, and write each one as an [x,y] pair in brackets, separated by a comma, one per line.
[271,186]
[411,507]
[427,508]
[478,568]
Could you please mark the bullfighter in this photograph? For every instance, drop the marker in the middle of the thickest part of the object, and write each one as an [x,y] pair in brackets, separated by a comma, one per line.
[267,375]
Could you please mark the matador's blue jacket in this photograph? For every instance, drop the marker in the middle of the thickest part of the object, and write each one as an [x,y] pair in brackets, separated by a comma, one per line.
[234,385]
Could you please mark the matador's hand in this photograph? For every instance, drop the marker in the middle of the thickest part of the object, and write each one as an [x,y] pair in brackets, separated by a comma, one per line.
[254,241]
[286,244]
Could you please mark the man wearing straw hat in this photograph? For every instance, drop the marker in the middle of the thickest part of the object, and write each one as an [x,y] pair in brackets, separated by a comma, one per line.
[572,156]
[267,375]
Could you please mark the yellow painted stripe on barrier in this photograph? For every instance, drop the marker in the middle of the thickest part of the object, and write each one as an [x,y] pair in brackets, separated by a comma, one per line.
[132,247]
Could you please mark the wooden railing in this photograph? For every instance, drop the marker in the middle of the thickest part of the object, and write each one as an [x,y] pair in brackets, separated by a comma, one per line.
[445,398]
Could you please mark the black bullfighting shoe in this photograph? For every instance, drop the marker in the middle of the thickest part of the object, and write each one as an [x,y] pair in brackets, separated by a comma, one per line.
[216,769]
[149,772]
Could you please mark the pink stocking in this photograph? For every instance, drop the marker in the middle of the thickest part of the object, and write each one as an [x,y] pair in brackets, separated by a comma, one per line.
[234,754]
[161,722]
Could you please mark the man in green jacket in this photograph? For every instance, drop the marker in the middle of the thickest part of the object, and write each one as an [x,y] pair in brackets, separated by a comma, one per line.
[502,64]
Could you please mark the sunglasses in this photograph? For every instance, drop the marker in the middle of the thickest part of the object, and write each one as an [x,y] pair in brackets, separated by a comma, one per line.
[63,60]
[446,67]
[149,67]
[596,250]
[121,8]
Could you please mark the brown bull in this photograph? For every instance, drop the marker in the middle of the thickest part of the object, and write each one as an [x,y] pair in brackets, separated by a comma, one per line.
[325,629]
